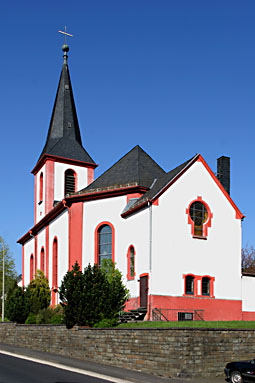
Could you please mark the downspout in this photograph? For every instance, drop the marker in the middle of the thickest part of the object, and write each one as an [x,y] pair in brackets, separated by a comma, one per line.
[150,252]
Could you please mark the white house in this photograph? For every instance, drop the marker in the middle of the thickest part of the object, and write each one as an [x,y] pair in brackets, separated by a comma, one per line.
[175,235]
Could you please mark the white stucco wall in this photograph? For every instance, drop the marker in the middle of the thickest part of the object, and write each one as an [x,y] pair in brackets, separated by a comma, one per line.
[248,293]
[40,207]
[132,231]
[175,252]
[41,242]
[59,178]
[28,250]
[59,228]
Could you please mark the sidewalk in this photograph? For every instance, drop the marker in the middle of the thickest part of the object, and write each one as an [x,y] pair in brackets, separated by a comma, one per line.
[110,371]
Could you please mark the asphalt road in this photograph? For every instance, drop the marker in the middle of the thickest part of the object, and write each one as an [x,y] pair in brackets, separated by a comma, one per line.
[16,370]
[18,365]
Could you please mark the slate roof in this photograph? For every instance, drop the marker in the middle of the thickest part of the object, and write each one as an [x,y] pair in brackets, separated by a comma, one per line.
[135,168]
[159,184]
[64,138]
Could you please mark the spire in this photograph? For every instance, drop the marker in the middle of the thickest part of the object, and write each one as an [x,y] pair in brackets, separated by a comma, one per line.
[64,138]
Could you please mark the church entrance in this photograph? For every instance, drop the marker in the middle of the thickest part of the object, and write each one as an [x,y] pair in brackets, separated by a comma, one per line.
[144,291]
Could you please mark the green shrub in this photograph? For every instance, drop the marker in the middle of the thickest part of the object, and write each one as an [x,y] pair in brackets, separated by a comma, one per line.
[31,319]
[88,298]
[106,323]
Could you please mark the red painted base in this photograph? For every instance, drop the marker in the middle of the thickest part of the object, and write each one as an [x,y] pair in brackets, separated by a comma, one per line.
[213,309]
[247,315]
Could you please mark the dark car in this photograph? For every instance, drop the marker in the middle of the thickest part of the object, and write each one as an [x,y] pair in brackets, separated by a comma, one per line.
[239,372]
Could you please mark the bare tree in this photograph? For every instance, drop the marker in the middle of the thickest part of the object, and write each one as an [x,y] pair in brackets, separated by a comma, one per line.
[248,259]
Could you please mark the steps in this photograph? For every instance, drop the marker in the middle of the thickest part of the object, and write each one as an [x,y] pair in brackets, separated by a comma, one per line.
[133,315]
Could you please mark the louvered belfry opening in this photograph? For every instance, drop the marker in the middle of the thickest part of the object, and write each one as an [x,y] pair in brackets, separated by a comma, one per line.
[69,181]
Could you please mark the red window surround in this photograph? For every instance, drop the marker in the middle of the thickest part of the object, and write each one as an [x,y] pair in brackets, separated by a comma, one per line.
[198,287]
[41,188]
[129,252]
[55,264]
[31,267]
[42,260]
[205,225]
[97,241]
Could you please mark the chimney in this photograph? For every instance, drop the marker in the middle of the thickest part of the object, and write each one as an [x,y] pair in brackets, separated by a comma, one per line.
[223,172]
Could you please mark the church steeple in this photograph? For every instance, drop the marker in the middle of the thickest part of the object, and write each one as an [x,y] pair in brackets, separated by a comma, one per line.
[64,138]
[64,166]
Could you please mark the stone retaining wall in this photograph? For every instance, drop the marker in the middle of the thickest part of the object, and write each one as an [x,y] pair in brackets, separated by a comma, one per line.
[163,352]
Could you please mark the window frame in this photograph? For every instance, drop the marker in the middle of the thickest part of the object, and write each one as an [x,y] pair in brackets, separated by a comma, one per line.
[32,265]
[42,260]
[104,223]
[198,292]
[75,181]
[206,224]
[129,276]
[41,188]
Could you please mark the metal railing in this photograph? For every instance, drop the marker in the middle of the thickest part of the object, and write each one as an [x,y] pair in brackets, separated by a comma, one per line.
[169,315]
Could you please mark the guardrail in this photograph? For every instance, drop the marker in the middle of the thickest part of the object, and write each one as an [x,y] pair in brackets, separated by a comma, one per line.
[169,315]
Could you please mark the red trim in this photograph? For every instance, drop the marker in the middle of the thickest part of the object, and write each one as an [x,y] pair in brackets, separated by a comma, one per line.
[31,267]
[198,157]
[47,251]
[74,199]
[75,234]
[35,198]
[35,254]
[41,188]
[129,277]
[96,240]
[144,275]
[54,271]
[64,160]
[75,179]
[156,202]
[42,260]
[90,175]
[133,195]
[49,186]
[206,224]
[23,266]
[196,279]
[239,215]
[214,309]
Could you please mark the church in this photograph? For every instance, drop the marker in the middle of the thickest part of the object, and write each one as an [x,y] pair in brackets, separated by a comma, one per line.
[175,235]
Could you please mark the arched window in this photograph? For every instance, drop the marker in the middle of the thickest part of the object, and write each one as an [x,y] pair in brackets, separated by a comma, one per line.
[55,263]
[42,261]
[189,285]
[70,181]
[205,286]
[31,267]
[104,244]
[199,216]
[41,188]
[131,263]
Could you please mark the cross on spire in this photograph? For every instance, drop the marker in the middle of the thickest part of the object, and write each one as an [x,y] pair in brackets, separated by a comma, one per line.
[66,34]
[65,47]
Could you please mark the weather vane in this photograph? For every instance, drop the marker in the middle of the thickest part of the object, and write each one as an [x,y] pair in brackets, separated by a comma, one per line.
[66,34]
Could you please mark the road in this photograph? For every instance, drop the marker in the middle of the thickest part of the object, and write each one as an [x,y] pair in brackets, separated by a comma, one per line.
[22,365]
[16,370]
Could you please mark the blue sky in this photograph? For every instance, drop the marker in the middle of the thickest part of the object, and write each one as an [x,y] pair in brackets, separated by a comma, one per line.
[174,76]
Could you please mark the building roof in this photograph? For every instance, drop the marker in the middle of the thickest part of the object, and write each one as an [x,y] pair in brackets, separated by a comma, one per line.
[135,168]
[158,186]
[64,138]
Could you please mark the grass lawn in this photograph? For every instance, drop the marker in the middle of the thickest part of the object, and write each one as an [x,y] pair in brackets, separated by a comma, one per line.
[192,324]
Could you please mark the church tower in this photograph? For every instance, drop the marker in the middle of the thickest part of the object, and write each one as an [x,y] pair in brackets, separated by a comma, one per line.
[64,166]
